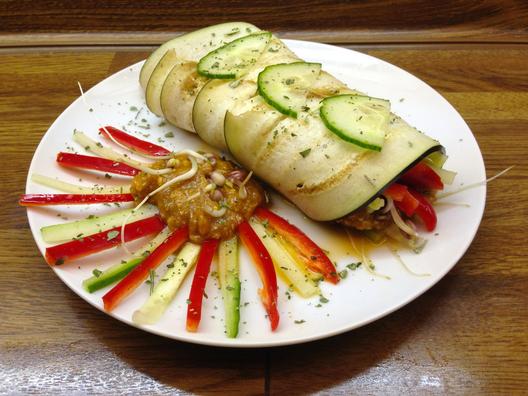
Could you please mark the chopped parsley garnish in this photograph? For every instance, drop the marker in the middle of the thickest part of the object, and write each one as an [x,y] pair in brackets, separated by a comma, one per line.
[305,153]
[112,235]
[150,281]
[97,273]
[353,266]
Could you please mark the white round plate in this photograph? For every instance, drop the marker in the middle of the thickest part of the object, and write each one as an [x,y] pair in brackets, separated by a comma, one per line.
[358,299]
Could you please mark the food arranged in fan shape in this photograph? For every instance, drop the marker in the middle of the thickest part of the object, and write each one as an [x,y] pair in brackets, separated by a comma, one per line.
[338,155]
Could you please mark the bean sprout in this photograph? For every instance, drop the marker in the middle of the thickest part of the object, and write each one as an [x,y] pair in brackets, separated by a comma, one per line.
[110,154]
[473,185]
[402,225]
[242,193]
[400,260]
[215,212]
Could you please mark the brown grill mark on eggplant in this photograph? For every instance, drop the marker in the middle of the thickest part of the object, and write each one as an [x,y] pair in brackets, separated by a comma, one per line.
[328,183]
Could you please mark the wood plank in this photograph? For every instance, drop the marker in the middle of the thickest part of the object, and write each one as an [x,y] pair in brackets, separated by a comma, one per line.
[339,21]
[488,36]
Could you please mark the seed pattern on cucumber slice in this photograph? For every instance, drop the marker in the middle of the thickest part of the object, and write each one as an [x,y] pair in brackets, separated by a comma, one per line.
[285,86]
[234,59]
[358,119]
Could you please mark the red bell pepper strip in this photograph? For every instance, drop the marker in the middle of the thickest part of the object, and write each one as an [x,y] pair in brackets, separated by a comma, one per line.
[422,177]
[95,163]
[133,142]
[402,198]
[425,211]
[72,199]
[309,252]
[268,293]
[138,275]
[85,245]
[203,266]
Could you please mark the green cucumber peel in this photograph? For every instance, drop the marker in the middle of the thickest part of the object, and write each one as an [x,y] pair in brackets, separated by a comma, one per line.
[111,275]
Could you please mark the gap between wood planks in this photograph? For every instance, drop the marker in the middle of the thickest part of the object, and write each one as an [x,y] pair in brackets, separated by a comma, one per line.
[358,46]
[142,39]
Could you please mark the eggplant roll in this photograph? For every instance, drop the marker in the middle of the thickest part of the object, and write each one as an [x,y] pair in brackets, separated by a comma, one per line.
[323,175]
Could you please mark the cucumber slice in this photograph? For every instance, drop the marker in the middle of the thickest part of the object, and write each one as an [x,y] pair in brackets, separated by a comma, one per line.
[361,120]
[235,58]
[230,284]
[92,225]
[194,45]
[168,285]
[285,86]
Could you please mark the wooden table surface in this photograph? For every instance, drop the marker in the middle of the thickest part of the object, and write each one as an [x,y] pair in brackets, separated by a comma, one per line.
[467,335]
